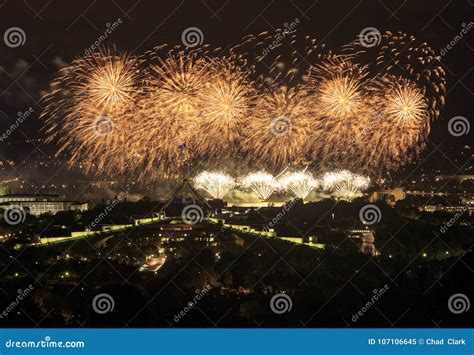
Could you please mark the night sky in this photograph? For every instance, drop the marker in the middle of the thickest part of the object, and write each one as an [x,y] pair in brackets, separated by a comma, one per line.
[58,31]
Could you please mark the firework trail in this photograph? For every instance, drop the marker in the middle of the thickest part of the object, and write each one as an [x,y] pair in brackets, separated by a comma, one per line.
[344,184]
[300,183]
[279,128]
[90,109]
[215,183]
[261,183]
[274,99]
[400,54]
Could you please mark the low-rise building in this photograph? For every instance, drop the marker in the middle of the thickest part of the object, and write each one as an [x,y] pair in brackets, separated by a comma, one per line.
[39,204]
[391,196]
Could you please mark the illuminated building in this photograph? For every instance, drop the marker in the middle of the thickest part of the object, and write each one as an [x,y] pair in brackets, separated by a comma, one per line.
[391,196]
[448,209]
[39,204]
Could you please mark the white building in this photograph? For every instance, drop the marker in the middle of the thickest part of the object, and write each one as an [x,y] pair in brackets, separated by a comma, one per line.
[39,204]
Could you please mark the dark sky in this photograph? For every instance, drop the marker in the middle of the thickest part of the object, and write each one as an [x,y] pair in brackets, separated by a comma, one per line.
[57,31]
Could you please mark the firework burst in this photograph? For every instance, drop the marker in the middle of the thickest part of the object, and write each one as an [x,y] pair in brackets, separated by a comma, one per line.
[366,108]
[215,183]
[92,104]
[344,184]
[280,127]
[261,183]
[300,183]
